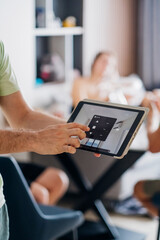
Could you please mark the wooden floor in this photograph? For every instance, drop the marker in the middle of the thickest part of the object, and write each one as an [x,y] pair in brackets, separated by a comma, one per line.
[138,224]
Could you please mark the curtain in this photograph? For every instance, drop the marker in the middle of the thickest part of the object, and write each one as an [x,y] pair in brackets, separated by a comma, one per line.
[149,42]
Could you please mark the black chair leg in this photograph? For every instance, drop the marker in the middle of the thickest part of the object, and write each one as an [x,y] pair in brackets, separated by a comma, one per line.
[75,234]
[158,233]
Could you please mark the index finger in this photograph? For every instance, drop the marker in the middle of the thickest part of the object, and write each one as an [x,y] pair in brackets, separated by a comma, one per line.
[78,125]
[97,155]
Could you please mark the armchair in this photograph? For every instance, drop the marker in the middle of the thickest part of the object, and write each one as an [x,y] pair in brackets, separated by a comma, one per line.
[29,220]
[155,200]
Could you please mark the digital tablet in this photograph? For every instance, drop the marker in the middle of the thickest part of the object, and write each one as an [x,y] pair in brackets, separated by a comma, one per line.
[112,126]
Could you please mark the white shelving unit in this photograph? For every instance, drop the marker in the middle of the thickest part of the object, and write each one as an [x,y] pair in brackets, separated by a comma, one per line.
[63,31]
[58,40]
[20,35]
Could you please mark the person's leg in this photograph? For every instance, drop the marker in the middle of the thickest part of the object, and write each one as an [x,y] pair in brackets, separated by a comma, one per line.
[47,185]
[31,171]
[40,193]
[55,181]
[144,191]
[4,223]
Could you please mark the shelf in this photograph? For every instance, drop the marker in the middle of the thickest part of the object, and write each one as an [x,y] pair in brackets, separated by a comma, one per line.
[58,31]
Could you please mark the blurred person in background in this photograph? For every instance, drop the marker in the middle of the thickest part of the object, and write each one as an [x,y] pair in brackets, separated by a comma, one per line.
[106,84]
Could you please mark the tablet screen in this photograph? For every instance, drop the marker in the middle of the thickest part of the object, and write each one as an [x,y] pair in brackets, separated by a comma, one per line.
[111,127]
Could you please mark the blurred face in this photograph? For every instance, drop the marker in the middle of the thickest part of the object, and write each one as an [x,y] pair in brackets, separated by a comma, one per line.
[105,66]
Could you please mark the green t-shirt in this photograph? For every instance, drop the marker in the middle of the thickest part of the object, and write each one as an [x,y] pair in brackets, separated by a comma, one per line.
[8,85]
[8,82]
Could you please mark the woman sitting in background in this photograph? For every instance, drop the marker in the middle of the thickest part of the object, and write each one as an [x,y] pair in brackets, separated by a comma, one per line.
[105,83]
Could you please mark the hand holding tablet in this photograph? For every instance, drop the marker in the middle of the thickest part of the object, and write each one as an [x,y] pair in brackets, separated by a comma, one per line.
[112,126]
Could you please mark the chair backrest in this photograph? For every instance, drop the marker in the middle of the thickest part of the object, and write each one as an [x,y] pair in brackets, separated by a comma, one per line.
[28,220]
[156,200]
[17,194]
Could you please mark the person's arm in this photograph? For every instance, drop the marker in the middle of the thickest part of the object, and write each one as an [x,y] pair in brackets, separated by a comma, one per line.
[153,127]
[52,140]
[75,92]
[41,133]
[154,143]
[79,90]
[16,141]
[20,115]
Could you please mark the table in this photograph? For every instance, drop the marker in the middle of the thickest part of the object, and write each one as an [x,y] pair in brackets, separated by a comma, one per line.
[92,193]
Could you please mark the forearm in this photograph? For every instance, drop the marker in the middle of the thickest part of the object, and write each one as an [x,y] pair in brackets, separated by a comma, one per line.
[154,143]
[36,120]
[20,115]
[41,133]
[16,141]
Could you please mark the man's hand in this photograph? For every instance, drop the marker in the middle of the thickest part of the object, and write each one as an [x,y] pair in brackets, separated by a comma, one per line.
[59,138]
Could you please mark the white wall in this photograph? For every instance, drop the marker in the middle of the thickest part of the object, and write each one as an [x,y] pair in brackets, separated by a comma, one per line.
[110,25]
[95,14]
[16,24]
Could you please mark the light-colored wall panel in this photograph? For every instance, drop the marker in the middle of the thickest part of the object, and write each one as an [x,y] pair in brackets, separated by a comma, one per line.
[111,25]
[16,26]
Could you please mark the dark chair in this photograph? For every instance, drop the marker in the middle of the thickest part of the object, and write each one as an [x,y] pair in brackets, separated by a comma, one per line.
[155,200]
[28,220]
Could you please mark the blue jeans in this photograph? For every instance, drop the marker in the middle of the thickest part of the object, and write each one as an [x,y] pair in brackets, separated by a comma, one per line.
[4,223]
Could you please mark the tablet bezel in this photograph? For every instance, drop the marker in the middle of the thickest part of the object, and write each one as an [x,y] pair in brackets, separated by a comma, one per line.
[142,113]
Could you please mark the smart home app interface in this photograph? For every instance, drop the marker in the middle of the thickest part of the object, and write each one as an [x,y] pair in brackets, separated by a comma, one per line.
[108,126]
